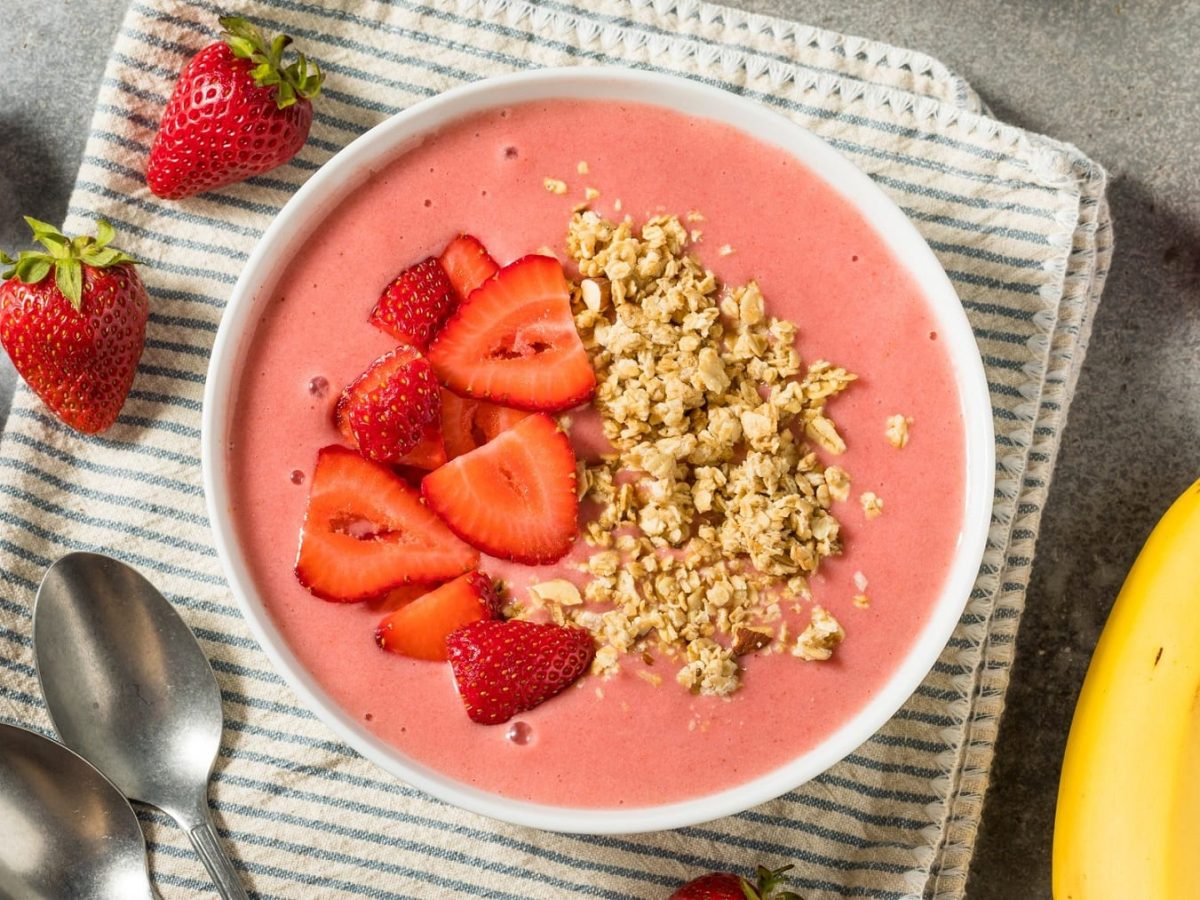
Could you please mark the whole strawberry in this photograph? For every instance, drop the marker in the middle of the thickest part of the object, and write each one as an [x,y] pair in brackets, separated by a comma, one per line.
[727,886]
[75,338]
[236,111]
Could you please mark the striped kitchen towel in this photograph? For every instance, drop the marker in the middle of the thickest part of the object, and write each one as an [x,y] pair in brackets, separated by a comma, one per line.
[1019,222]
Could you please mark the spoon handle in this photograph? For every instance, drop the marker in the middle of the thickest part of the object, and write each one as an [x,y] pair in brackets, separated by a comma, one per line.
[212,854]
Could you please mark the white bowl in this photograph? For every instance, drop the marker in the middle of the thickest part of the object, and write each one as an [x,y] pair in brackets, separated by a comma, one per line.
[389,139]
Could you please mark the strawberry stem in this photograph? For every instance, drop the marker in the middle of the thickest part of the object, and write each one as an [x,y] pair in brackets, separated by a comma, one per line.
[291,82]
[768,881]
[66,256]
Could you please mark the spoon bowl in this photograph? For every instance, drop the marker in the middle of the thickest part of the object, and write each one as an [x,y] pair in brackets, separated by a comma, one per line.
[130,690]
[68,832]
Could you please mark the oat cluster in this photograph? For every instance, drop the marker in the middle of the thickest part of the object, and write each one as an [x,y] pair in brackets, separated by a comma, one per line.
[897,430]
[714,509]
[822,636]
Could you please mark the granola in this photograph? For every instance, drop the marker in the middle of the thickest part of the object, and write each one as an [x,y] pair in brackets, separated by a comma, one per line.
[714,508]
[822,636]
[897,430]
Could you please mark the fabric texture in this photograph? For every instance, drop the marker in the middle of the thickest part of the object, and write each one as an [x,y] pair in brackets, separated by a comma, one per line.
[1019,222]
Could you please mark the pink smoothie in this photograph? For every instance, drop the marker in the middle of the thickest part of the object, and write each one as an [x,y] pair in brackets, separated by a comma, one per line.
[620,742]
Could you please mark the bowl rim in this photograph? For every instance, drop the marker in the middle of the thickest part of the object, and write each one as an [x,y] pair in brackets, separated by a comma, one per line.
[348,168]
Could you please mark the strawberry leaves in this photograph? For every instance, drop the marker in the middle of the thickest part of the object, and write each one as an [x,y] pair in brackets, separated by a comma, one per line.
[29,267]
[66,256]
[768,881]
[291,82]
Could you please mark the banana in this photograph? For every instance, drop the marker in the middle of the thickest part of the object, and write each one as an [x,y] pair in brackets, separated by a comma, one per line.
[1128,818]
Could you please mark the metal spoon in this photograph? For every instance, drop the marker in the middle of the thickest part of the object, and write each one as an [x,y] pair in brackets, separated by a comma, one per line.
[67,831]
[130,690]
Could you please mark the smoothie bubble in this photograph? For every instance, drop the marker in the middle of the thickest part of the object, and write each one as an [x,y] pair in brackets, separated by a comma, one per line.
[319,386]
[520,733]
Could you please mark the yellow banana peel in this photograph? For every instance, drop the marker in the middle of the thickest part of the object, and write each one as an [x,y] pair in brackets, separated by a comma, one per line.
[1128,818]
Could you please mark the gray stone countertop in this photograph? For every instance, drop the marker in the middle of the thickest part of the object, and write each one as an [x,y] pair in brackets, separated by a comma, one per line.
[1112,78]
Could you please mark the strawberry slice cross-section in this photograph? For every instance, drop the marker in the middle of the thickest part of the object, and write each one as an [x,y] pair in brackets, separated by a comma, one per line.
[467,264]
[491,420]
[515,496]
[514,341]
[429,453]
[366,531]
[458,424]
[467,424]
[419,629]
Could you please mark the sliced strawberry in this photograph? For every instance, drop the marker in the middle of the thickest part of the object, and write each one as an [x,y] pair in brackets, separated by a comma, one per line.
[491,419]
[514,341]
[398,597]
[467,265]
[458,424]
[366,532]
[386,410]
[467,424]
[504,668]
[514,497]
[420,629]
[430,453]
[414,306]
